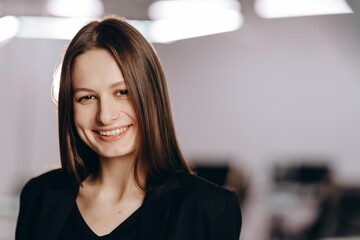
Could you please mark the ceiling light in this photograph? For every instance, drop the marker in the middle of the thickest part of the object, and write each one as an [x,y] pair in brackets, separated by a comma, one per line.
[9,26]
[158,31]
[183,19]
[296,8]
[50,27]
[169,30]
[75,8]
[62,28]
[182,9]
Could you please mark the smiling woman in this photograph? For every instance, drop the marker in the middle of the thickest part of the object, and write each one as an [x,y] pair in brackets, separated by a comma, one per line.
[123,175]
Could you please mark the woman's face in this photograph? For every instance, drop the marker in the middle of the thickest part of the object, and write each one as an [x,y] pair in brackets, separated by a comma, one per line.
[103,114]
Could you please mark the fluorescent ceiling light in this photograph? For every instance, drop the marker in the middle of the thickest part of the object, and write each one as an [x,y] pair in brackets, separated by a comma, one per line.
[159,31]
[182,9]
[9,26]
[296,8]
[50,27]
[169,30]
[183,19]
[75,8]
[62,28]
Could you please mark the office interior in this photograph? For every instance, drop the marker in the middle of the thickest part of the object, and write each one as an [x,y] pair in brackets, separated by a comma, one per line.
[269,107]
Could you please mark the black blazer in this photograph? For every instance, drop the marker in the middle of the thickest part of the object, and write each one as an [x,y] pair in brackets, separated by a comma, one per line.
[191,209]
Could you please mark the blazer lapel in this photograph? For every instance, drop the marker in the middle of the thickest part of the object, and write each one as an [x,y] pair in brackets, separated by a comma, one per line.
[153,219]
[56,207]
[155,213]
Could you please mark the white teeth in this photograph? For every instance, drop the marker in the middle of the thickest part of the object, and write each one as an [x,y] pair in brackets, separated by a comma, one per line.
[113,132]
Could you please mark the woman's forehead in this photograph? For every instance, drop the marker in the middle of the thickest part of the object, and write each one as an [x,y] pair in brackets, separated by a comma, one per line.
[96,66]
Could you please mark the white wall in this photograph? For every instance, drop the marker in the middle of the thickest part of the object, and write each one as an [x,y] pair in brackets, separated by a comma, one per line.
[275,89]
[28,140]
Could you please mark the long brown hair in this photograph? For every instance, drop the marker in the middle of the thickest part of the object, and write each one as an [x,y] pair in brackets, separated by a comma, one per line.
[157,150]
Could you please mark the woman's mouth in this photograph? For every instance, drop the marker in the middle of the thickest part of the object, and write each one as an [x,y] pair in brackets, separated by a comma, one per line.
[114,132]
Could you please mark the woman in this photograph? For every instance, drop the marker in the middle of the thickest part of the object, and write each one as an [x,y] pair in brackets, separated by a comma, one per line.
[123,175]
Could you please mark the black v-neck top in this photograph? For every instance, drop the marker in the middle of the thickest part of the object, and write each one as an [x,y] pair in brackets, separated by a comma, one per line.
[75,227]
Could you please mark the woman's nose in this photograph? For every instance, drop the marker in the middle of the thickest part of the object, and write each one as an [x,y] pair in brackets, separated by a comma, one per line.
[107,112]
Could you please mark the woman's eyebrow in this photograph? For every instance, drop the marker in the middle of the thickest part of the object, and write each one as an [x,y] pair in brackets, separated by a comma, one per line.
[82,89]
[117,84]
[114,85]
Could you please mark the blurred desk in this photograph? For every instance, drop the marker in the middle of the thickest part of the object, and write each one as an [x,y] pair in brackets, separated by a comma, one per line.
[342,238]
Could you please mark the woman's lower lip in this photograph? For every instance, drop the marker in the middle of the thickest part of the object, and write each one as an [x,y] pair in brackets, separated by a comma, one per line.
[112,138]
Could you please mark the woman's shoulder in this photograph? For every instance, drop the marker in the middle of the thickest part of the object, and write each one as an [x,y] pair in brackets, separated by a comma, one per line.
[198,187]
[219,206]
[37,183]
[207,198]
[48,177]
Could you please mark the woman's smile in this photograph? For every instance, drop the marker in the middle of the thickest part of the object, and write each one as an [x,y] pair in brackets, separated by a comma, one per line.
[113,134]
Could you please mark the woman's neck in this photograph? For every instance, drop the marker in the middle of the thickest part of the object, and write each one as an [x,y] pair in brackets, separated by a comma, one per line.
[115,178]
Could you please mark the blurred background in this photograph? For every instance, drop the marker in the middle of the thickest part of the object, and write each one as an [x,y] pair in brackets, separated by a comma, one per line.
[265,94]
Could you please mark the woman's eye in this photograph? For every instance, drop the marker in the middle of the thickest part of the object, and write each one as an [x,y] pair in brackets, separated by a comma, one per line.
[122,92]
[85,99]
